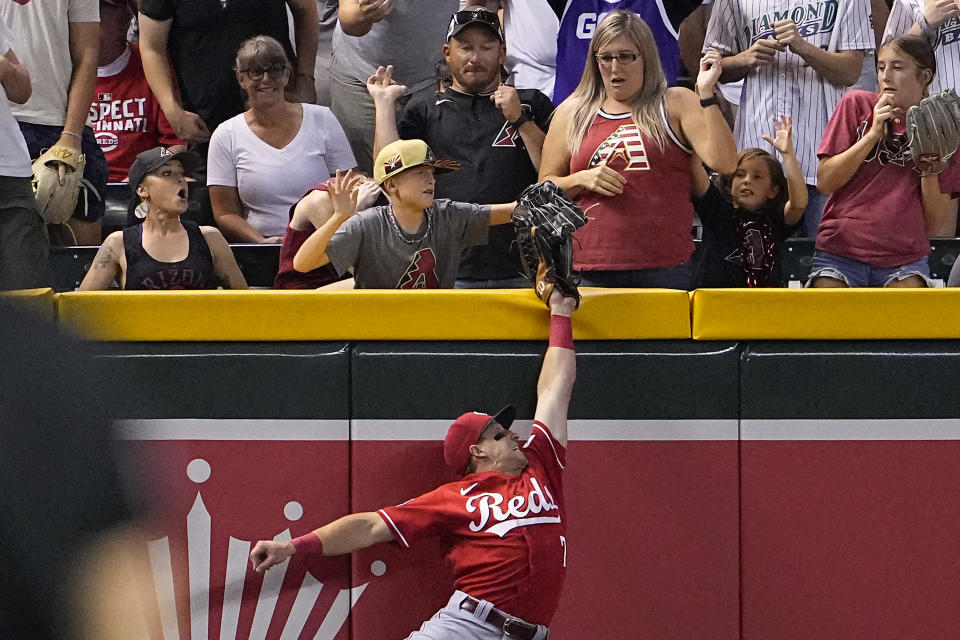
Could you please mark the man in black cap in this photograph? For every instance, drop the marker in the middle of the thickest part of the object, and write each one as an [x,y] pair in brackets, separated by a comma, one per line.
[493,130]
[504,521]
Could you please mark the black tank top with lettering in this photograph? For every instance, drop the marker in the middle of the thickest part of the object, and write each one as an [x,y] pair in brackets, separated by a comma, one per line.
[193,272]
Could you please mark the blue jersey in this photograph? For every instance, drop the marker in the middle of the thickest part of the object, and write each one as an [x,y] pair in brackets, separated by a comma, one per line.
[580,20]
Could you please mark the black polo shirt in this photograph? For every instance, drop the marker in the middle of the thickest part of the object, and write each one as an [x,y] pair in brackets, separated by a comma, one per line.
[494,163]
[202,45]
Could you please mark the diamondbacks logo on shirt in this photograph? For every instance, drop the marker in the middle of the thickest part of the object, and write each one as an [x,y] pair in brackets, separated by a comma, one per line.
[949,31]
[811,18]
[622,147]
[499,516]
[893,149]
[507,136]
[422,273]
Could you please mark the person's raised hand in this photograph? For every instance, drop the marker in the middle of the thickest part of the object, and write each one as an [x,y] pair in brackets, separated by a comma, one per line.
[375,10]
[382,86]
[507,100]
[603,180]
[762,52]
[267,553]
[344,192]
[936,12]
[783,139]
[710,68]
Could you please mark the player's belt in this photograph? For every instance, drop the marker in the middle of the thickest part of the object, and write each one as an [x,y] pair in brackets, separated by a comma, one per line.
[511,627]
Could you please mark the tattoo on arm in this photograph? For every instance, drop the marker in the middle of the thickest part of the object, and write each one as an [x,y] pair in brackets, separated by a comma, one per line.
[104,259]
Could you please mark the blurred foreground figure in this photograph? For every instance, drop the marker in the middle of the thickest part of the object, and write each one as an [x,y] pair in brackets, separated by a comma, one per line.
[72,566]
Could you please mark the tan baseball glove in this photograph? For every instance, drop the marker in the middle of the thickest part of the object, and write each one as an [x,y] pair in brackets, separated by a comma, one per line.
[56,182]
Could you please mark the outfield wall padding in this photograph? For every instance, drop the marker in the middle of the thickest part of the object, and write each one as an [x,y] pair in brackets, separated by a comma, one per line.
[737,488]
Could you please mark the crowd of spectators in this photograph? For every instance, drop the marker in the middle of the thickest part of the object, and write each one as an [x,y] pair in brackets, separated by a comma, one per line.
[383,143]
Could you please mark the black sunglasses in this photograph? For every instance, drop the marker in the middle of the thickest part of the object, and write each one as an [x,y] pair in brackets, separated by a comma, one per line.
[275,71]
[468,16]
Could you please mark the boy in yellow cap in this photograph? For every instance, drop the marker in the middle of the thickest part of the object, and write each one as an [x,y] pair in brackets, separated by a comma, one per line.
[414,242]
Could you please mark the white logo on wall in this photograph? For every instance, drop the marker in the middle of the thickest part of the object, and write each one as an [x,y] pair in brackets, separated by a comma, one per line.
[199,536]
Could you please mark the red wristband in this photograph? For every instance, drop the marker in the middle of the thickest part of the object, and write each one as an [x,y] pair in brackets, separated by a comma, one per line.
[561,332]
[308,543]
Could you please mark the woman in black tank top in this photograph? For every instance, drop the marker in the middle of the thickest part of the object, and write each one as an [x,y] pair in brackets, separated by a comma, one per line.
[164,252]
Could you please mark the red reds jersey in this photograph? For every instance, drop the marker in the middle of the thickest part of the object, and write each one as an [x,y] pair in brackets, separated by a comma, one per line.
[648,225]
[125,115]
[507,534]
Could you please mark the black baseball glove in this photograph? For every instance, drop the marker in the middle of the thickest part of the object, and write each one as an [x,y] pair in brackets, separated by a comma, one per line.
[544,220]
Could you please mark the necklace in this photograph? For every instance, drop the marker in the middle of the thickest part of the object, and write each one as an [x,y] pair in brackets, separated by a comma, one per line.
[406,237]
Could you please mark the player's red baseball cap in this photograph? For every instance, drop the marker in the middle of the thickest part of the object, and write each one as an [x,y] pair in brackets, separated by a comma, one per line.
[466,430]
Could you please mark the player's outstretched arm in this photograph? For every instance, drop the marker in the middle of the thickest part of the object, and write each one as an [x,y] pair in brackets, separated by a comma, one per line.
[559,369]
[344,535]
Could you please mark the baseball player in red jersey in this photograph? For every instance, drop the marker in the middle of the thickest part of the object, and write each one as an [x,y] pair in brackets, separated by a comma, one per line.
[504,521]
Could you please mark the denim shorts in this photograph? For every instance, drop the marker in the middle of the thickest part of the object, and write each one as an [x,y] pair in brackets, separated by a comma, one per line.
[860,274]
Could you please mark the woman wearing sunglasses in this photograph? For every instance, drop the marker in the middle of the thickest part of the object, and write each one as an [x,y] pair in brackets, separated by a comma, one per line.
[263,160]
[622,145]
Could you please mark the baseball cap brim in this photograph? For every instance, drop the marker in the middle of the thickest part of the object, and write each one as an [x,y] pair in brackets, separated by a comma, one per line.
[188,159]
[439,166]
[504,417]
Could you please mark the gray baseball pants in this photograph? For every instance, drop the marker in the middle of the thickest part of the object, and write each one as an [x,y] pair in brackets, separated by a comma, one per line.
[454,623]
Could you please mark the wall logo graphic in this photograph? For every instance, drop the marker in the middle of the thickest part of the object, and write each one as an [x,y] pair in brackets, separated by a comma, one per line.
[203,601]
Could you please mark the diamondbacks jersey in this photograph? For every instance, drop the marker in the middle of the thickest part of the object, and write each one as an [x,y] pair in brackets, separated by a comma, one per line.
[495,165]
[788,86]
[506,534]
[384,256]
[944,38]
[648,225]
[125,115]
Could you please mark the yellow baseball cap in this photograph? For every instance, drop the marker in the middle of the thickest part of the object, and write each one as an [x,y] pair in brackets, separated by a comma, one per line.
[401,155]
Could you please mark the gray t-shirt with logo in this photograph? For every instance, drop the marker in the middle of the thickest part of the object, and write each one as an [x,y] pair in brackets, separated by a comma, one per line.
[386,257]
[411,38]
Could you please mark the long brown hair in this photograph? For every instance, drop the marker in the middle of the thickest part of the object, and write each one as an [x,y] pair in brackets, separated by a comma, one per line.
[589,95]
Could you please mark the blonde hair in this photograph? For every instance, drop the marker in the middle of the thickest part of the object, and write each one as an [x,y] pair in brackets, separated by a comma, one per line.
[589,95]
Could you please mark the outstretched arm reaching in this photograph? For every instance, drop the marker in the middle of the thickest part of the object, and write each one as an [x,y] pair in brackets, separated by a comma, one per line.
[559,369]
[344,535]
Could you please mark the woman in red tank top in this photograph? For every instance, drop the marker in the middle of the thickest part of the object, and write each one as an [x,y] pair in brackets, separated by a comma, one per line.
[622,145]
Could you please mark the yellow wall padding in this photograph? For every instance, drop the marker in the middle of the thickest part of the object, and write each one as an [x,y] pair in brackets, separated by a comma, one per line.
[620,314]
[826,314]
[42,302]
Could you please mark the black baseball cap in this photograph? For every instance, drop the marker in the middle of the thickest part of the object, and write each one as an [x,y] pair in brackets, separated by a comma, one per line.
[153,159]
[472,16]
